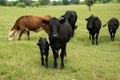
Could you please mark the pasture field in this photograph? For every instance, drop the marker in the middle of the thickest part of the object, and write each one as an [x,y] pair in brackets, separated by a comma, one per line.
[20,60]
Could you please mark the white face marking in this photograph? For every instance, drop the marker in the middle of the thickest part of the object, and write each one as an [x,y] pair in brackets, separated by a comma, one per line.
[11,35]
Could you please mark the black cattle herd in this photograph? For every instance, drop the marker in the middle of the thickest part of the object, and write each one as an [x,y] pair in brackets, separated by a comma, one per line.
[61,30]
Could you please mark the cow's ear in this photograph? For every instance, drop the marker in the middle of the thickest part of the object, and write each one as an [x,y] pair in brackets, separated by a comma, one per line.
[38,44]
[86,19]
[62,16]
[45,22]
[62,20]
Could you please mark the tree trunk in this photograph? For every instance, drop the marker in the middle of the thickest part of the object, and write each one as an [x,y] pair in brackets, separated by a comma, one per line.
[89,8]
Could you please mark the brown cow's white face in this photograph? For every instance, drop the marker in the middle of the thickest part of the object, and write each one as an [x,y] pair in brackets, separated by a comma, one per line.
[11,35]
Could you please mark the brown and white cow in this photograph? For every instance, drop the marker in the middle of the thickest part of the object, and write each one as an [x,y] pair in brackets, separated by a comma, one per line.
[27,24]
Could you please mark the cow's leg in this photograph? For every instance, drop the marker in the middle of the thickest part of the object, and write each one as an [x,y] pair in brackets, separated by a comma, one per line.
[21,32]
[97,38]
[28,35]
[114,35]
[42,59]
[46,60]
[55,54]
[89,36]
[93,39]
[63,52]
[111,35]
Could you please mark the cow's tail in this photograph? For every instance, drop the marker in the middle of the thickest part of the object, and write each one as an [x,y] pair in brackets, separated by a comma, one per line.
[105,24]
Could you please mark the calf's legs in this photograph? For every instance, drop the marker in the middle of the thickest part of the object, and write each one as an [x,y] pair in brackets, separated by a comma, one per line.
[42,59]
[46,60]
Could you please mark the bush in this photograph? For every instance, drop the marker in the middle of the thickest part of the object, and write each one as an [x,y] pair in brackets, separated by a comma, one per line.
[9,4]
[35,4]
[21,4]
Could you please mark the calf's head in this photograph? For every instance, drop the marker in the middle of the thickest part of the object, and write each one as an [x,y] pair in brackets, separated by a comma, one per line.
[91,21]
[54,25]
[43,45]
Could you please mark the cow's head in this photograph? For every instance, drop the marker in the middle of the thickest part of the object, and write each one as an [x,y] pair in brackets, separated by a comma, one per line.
[91,21]
[43,45]
[54,25]
[12,34]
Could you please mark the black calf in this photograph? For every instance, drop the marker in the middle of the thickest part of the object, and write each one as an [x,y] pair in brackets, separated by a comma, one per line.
[44,50]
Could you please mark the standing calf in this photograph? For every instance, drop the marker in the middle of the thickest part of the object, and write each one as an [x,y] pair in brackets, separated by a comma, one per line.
[93,26]
[44,50]
[113,25]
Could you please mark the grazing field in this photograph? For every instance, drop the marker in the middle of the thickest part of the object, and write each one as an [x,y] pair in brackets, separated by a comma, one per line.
[20,60]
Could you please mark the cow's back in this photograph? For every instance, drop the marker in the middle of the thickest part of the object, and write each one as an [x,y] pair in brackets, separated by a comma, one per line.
[65,32]
[98,23]
[32,22]
[71,16]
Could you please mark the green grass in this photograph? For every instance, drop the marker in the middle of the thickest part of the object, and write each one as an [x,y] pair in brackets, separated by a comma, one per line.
[20,60]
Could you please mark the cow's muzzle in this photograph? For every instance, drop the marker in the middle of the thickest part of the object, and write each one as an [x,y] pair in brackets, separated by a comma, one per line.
[55,36]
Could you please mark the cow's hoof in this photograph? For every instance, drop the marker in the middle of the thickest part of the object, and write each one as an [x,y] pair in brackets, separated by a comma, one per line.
[46,66]
[62,68]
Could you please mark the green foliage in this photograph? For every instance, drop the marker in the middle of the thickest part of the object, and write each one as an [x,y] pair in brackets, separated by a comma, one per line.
[2,2]
[35,4]
[106,1]
[74,1]
[118,1]
[15,3]
[20,60]
[21,4]
[56,2]
[44,2]
[27,2]
[65,2]
[9,4]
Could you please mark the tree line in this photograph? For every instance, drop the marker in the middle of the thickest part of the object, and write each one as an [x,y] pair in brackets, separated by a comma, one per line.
[31,3]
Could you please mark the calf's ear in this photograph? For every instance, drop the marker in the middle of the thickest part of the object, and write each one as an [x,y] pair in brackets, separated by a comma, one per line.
[45,21]
[38,44]
[86,19]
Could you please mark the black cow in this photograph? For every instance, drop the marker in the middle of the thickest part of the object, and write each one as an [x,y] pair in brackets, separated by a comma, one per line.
[93,26]
[71,17]
[113,25]
[60,33]
[44,50]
